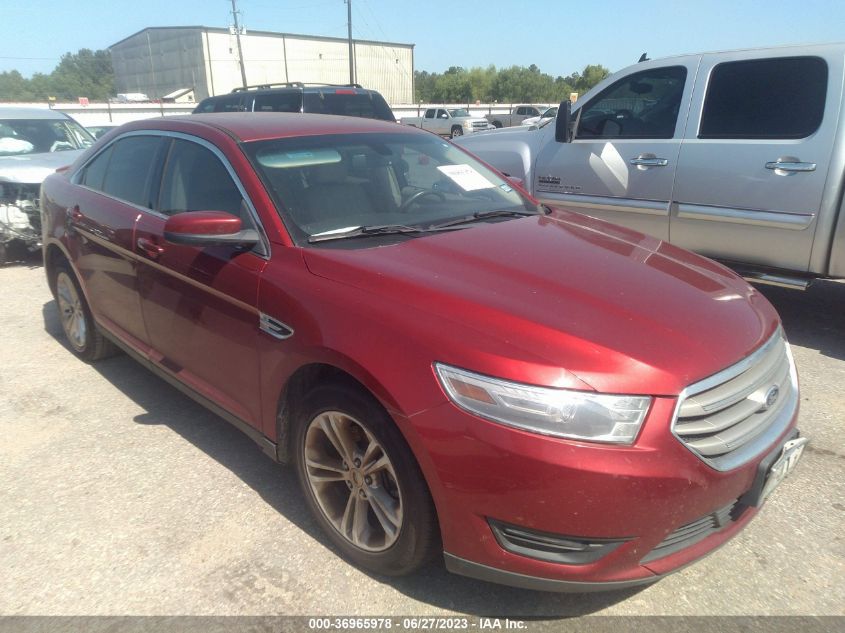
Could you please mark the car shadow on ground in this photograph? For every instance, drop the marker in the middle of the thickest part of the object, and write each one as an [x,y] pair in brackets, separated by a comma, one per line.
[278,486]
[812,318]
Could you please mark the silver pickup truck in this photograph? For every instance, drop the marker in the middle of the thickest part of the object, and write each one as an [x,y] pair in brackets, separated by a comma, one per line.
[515,117]
[451,122]
[738,155]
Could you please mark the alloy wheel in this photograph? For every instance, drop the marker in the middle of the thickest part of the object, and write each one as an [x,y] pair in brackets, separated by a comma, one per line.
[71,312]
[353,481]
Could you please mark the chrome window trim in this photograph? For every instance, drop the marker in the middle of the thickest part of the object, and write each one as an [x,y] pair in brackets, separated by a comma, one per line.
[778,425]
[265,242]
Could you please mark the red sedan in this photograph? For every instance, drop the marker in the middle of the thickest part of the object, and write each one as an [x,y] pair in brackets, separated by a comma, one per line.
[550,401]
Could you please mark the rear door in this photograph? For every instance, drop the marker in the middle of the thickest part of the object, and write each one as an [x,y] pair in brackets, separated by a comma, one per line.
[115,189]
[752,169]
[199,302]
[621,164]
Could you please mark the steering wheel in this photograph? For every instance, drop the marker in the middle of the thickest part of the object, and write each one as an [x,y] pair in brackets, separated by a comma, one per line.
[420,194]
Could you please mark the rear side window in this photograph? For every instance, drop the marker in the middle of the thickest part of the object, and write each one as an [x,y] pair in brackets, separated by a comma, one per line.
[778,98]
[367,105]
[195,180]
[278,102]
[95,171]
[229,103]
[130,171]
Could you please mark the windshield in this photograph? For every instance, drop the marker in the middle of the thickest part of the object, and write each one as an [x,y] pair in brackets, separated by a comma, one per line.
[337,182]
[39,136]
[459,112]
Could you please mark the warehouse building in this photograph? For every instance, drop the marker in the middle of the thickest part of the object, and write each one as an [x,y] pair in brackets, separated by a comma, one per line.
[160,61]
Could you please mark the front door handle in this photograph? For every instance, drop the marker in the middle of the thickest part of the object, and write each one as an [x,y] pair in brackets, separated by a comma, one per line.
[790,166]
[149,248]
[649,160]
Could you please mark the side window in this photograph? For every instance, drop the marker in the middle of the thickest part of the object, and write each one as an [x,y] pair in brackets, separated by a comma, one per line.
[429,114]
[229,103]
[95,171]
[131,170]
[441,114]
[778,98]
[278,102]
[195,180]
[641,105]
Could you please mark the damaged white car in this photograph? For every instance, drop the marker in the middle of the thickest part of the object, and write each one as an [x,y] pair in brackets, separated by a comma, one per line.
[34,143]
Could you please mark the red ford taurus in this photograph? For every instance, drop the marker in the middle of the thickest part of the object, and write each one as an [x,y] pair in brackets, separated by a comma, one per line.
[550,401]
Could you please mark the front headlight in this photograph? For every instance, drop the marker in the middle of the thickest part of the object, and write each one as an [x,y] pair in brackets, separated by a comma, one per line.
[468,125]
[577,415]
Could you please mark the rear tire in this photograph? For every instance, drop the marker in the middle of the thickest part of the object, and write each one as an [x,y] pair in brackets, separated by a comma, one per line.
[497,124]
[81,333]
[361,481]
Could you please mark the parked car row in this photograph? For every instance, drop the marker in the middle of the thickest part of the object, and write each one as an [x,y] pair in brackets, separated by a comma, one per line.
[453,365]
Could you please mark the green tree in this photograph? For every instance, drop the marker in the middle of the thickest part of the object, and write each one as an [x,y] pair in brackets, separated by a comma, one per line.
[86,73]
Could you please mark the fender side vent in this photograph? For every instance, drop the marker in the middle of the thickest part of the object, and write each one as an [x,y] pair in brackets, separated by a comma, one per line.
[274,327]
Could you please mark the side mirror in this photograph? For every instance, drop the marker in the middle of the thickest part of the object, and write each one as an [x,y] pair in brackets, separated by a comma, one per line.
[563,123]
[208,228]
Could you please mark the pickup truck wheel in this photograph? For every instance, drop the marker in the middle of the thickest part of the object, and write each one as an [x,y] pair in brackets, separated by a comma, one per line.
[457,131]
[79,328]
[361,481]
[497,124]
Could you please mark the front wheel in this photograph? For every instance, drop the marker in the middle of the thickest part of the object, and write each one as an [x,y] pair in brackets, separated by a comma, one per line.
[457,131]
[362,483]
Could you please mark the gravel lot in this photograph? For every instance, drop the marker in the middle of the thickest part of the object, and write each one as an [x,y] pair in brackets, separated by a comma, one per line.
[119,495]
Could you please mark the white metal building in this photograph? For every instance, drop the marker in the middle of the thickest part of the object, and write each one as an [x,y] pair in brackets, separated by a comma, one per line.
[160,60]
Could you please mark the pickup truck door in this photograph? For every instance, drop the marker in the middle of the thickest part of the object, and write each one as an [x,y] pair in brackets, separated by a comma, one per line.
[621,163]
[429,121]
[754,161]
[442,122]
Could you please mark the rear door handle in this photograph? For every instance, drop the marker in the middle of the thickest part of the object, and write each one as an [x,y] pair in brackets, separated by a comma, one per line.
[649,161]
[790,166]
[149,248]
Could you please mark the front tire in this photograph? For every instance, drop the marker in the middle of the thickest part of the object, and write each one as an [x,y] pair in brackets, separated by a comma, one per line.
[456,131]
[361,481]
[78,325]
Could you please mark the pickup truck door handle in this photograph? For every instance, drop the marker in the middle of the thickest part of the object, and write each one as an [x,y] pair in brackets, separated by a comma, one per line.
[649,161]
[149,248]
[790,166]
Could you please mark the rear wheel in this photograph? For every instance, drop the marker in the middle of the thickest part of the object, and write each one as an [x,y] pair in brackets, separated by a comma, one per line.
[362,483]
[81,333]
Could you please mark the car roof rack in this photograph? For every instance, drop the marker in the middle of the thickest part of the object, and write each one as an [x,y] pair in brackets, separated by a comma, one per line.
[292,84]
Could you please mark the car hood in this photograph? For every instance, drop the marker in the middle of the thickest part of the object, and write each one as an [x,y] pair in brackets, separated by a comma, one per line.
[570,301]
[34,168]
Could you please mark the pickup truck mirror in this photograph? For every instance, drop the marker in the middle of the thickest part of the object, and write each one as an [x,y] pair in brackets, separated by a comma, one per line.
[563,123]
[444,116]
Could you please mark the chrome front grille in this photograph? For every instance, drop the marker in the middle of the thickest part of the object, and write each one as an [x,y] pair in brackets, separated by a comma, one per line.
[692,533]
[733,416]
[479,125]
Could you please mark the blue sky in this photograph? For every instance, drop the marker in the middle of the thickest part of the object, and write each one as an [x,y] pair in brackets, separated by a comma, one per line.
[560,37]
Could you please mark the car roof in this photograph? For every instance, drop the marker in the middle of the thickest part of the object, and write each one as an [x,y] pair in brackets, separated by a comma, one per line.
[254,126]
[7,112]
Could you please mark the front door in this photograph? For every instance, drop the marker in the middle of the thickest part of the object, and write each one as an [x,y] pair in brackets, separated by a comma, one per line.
[199,302]
[620,166]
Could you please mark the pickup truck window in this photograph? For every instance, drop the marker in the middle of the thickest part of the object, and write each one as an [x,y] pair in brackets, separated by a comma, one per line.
[642,105]
[429,114]
[780,98]
[441,114]
[457,112]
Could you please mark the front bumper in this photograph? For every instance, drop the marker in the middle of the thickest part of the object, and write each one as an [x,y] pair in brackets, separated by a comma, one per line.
[481,471]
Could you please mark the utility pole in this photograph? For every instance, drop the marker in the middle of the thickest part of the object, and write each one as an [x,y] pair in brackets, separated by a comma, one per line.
[238,38]
[351,50]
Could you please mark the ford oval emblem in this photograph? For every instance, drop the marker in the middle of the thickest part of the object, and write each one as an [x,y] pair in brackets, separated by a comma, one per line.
[772,397]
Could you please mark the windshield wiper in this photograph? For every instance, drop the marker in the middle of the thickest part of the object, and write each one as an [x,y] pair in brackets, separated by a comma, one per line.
[368,231]
[484,215]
